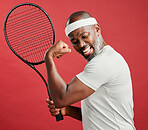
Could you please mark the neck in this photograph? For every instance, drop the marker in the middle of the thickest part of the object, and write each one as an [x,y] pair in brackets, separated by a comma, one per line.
[100,43]
[104,44]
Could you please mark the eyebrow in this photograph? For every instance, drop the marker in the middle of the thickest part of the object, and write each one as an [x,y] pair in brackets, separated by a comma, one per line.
[83,33]
[80,35]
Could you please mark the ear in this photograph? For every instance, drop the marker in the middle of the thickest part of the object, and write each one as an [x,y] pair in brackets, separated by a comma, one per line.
[98,29]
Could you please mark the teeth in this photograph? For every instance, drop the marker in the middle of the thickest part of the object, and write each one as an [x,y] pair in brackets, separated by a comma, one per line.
[86,49]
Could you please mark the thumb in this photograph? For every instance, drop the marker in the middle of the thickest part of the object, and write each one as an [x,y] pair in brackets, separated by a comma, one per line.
[66,50]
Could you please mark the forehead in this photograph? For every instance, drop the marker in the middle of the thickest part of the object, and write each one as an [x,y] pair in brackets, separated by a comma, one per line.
[81,31]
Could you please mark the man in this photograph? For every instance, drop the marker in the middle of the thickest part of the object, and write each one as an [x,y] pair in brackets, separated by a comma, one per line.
[104,87]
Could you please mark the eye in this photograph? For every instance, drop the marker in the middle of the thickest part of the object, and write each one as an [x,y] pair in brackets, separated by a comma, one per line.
[75,42]
[84,36]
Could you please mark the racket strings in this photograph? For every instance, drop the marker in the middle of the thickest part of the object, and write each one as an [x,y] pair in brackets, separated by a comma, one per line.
[17,20]
[20,35]
[19,39]
[26,48]
[30,33]
[21,12]
[26,26]
[34,48]
[29,29]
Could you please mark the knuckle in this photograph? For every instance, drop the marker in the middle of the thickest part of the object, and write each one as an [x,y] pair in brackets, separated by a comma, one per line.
[57,112]
[60,42]
[52,114]
[52,110]
[50,103]
[50,106]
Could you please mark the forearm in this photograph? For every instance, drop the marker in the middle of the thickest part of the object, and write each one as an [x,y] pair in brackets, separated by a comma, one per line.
[57,86]
[74,112]
[61,93]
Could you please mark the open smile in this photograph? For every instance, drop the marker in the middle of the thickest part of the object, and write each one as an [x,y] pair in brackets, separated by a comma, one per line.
[87,50]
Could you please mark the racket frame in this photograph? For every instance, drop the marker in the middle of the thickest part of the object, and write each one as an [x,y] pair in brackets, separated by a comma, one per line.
[27,62]
[59,116]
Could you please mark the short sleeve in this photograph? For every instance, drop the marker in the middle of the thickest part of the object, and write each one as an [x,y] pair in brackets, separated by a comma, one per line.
[97,72]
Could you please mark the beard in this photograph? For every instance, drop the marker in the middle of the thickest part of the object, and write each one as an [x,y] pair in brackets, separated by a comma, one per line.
[89,57]
[96,46]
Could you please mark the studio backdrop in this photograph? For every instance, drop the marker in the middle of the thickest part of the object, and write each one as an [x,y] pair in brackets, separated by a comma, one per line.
[22,92]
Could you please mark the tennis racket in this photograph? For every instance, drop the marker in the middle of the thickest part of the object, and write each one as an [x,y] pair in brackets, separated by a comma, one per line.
[29,32]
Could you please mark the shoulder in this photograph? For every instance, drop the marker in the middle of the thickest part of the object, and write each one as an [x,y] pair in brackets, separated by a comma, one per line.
[104,60]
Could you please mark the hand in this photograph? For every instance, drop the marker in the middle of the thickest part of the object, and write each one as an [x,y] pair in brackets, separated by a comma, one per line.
[57,50]
[55,111]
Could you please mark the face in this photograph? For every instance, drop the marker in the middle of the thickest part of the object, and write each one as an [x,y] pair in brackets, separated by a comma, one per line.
[84,40]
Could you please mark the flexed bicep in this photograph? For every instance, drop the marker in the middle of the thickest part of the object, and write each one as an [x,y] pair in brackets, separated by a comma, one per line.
[76,91]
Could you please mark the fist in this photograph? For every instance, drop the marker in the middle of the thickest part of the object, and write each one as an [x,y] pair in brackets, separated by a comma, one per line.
[57,50]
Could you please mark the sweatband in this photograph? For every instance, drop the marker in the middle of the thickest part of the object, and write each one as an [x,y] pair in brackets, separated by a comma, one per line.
[80,23]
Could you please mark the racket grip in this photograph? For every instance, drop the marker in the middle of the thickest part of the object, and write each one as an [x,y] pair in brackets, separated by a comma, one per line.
[59,117]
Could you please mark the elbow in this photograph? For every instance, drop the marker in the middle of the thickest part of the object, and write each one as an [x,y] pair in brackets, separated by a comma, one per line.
[60,103]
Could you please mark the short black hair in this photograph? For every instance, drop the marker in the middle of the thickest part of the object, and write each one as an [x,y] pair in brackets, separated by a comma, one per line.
[78,15]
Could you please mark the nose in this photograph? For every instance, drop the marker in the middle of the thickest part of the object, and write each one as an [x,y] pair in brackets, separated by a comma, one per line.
[81,43]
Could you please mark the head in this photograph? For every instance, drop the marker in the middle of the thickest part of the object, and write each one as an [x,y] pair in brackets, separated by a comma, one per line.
[86,40]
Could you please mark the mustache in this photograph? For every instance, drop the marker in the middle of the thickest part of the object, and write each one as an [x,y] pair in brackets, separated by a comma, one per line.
[82,48]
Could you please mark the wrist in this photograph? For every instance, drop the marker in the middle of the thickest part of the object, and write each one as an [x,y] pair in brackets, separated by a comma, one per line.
[48,56]
[67,111]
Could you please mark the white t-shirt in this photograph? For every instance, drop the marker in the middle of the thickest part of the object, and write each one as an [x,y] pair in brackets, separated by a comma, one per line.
[110,107]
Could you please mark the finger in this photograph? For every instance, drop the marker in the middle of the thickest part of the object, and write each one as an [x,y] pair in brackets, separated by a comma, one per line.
[51,106]
[62,44]
[54,113]
[54,110]
[65,50]
[49,101]
[59,56]
[65,45]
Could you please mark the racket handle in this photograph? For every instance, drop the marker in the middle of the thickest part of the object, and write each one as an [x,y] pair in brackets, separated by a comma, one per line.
[59,117]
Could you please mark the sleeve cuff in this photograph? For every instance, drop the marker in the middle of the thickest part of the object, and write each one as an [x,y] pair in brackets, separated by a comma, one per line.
[83,80]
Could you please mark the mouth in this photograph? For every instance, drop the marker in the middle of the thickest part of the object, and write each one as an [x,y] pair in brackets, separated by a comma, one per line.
[87,50]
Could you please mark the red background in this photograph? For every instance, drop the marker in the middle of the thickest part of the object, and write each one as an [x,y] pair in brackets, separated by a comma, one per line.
[22,92]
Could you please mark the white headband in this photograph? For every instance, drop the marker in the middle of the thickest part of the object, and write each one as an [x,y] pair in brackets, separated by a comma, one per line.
[80,23]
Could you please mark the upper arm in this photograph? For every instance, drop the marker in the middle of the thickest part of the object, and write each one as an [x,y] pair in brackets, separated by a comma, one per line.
[76,91]
[95,74]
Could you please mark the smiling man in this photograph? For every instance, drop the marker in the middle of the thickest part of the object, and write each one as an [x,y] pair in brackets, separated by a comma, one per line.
[104,87]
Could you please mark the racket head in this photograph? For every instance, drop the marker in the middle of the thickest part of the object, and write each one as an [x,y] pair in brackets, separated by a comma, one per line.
[29,32]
